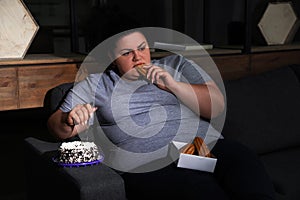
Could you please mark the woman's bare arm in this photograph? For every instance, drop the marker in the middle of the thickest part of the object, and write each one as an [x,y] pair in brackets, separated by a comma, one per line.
[204,99]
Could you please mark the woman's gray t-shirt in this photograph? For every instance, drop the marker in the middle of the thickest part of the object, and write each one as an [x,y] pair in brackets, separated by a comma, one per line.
[137,116]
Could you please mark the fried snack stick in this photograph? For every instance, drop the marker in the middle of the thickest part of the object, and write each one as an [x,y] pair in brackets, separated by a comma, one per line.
[189,149]
[141,70]
[201,147]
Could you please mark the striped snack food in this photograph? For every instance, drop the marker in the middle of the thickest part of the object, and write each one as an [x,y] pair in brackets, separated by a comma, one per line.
[141,70]
[201,147]
[189,149]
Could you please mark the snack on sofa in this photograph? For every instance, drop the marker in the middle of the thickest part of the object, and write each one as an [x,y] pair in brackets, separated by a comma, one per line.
[262,113]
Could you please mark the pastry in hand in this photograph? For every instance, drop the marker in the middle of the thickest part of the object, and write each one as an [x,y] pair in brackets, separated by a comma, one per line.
[141,70]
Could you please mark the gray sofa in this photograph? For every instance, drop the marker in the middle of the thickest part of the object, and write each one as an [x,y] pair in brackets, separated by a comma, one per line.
[263,112]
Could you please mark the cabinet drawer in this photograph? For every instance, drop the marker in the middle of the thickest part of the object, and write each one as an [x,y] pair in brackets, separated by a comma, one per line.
[8,88]
[233,67]
[35,81]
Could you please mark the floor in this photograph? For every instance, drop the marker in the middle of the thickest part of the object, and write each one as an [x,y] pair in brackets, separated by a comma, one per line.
[15,126]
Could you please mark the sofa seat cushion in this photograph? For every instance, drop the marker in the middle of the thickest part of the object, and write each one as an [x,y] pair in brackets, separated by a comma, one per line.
[284,168]
[263,111]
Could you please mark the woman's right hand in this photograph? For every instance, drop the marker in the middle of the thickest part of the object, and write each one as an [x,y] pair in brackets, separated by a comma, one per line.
[65,125]
[80,115]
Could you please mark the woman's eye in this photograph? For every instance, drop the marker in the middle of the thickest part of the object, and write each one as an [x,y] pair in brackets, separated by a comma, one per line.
[126,53]
[142,48]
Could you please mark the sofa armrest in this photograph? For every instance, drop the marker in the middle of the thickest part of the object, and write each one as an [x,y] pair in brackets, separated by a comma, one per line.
[46,180]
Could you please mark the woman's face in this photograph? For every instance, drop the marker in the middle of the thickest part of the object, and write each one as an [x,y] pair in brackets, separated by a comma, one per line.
[131,50]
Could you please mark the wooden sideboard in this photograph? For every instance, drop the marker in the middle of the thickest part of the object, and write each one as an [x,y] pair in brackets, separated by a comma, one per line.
[238,66]
[232,64]
[24,82]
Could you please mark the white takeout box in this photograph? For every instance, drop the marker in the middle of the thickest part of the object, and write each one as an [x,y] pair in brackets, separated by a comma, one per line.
[191,161]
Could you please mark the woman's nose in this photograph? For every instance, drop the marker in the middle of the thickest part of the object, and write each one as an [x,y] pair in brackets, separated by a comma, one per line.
[136,55]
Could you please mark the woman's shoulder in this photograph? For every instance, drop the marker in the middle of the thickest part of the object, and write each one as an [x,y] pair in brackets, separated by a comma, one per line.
[174,61]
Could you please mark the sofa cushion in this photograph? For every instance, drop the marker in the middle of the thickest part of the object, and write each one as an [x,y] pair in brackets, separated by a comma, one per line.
[55,96]
[296,69]
[283,168]
[263,110]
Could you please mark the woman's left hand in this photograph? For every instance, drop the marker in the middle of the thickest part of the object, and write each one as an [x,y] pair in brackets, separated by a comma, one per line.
[160,77]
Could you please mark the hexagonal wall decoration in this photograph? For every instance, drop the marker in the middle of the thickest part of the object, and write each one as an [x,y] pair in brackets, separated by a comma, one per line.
[279,23]
[17,29]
